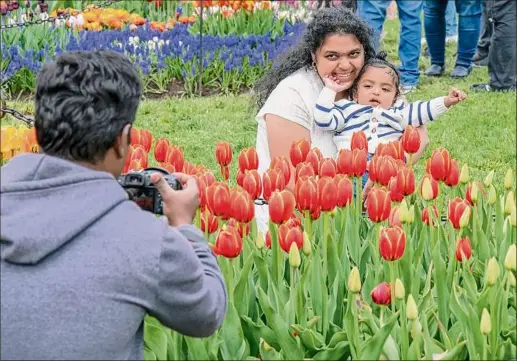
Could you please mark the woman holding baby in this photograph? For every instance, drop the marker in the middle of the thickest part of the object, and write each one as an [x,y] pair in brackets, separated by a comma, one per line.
[336,43]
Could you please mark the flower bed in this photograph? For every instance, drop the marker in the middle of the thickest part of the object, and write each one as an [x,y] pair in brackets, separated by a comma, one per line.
[328,282]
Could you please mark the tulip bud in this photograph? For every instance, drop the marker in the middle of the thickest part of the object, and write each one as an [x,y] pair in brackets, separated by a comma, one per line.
[486,324]
[492,195]
[509,205]
[306,247]
[265,345]
[400,292]
[492,272]
[416,328]
[489,178]
[513,215]
[474,193]
[411,308]
[403,211]
[464,174]
[510,259]
[260,241]
[465,217]
[427,189]
[354,281]
[511,279]
[294,256]
[508,179]
[411,215]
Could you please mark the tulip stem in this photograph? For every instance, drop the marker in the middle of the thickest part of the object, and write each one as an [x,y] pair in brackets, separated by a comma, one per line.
[230,279]
[292,291]
[392,286]
[381,318]
[410,162]
[326,220]
[485,348]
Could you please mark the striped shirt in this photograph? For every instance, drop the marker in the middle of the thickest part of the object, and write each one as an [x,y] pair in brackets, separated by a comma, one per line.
[380,125]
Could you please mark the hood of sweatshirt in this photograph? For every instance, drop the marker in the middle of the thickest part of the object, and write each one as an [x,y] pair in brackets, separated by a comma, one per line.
[47,202]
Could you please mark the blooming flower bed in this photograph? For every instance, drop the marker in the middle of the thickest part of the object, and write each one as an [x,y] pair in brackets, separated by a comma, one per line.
[326,281]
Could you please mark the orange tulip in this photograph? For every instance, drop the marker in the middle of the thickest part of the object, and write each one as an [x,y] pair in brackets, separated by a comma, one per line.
[411,140]
[345,192]
[218,199]
[432,192]
[440,164]
[457,207]
[327,168]
[135,165]
[306,193]
[241,205]
[392,243]
[223,153]
[314,157]
[168,167]
[425,215]
[288,235]
[209,222]
[304,169]
[359,141]
[381,294]
[463,249]
[298,151]
[392,149]
[453,177]
[252,183]
[140,154]
[160,149]
[272,180]
[327,194]
[378,204]
[281,206]
[175,157]
[228,243]
[248,159]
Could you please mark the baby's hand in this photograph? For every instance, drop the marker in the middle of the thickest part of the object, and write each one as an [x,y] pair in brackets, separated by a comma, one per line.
[455,96]
[332,83]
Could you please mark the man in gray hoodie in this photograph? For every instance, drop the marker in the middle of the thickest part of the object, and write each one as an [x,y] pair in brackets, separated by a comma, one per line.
[81,265]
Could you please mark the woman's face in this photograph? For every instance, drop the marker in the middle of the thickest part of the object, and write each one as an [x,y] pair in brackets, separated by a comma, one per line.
[341,56]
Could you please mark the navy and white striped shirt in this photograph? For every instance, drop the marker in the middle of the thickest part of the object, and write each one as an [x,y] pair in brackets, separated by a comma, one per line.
[380,125]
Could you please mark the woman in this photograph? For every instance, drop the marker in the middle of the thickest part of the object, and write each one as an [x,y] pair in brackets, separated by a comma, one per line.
[336,42]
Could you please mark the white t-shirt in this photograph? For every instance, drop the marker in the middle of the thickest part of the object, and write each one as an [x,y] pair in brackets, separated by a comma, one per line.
[294,99]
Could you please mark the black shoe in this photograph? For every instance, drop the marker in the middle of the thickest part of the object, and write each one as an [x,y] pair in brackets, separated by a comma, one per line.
[434,70]
[487,88]
[460,72]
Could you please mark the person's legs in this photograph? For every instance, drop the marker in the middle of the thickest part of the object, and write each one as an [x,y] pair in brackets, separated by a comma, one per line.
[434,25]
[468,35]
[487,26]
[374,13]
[409,44]
[451,24]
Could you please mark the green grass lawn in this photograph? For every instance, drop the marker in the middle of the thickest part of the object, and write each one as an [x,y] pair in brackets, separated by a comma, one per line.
[479,132]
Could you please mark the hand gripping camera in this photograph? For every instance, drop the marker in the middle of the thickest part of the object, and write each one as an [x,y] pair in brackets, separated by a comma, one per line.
[142,191]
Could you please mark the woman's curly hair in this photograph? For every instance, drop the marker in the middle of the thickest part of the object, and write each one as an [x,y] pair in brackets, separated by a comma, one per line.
[325,22]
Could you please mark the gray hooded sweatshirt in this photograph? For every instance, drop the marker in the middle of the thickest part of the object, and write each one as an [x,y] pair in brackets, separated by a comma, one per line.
[81,265]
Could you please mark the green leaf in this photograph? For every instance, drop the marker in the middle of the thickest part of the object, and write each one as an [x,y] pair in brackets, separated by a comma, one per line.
[458,352]
[240,288]
[372,348]
[442,294]
[311,339]
[234,346]
[268,352]
[148,354]
[196,349]
[259,331]
[155,340]
[341,351]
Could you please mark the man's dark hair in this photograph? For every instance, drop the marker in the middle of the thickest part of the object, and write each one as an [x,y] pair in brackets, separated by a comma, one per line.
[83,101]
[325,22]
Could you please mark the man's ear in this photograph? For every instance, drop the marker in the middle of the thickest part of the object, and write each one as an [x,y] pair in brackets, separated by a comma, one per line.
[122,142]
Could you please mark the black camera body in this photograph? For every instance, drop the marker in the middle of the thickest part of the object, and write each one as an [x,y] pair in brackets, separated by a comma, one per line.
[142,191]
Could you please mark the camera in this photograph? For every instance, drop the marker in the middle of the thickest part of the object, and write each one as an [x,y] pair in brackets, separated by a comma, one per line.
[142,191]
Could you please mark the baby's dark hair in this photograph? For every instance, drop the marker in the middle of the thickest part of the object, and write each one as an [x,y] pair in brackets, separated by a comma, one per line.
[378,61]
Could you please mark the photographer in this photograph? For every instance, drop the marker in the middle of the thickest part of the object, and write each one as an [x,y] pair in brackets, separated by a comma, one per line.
[82,264]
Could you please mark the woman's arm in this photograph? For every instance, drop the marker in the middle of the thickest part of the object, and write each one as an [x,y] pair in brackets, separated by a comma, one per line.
[280,134]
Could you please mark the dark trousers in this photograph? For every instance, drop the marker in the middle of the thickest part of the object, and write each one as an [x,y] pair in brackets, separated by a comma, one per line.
[486,32]
[501,59]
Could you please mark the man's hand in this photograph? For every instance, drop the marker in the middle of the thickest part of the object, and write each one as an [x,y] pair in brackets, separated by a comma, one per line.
[454,97]
[332,83]
[178,206]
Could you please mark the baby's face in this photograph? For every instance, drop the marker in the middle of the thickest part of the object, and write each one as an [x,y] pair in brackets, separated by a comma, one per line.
[376,88]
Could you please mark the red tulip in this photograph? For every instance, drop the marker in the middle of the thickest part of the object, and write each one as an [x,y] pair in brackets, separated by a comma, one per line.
[359,141]
[239,177]
[189,168]
[268,239]
[175,157]
[298,151]
[410,140]
[241,205]
[392,149]
[242,228]
[392,243]
[378,204]
[228,243]
[425,215]
[207,218]
[140,154]
[327,168]
[306,193]
[457,207]
[304,169]
[463,249]
[382,168]
[395,192]
[223,153]
[248,159]
[344,162]
[168,167]
[352,162]
[218,199]
[406,181]
[160,149]
[345,192]
[129,158]
[134,137]
[135,165]
[208,177]
[283,164]
[440,164]
[281,206]
[314,157]
[394,218]
[315,212]
[381,294]
[146,139]
[252,183]
[288,235]
[272,180]
[225,172]
[327,194]
[453,177]
[201,184]
[468,192]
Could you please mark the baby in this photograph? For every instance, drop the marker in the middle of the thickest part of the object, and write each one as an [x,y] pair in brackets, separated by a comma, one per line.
[374,109]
